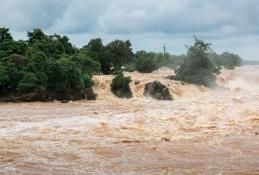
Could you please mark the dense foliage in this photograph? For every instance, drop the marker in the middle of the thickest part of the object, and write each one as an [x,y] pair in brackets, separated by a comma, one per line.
[120,86]
[48,67]
[112,56]
[145,62]
[226,59]
[197,67]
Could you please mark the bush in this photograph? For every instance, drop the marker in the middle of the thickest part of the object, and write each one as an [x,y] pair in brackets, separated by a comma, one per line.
[200,77]
[145,64]
[120,86]
[32,82]
[87,81]
[67,81]
[226,59]
[45,67]
[197,67]
[65,76]
[4,78]
[90,66]
[130,67]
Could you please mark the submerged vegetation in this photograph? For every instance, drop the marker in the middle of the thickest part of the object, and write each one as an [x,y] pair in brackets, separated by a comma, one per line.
[120,86]
[48,67]
[201,65]
[197,68]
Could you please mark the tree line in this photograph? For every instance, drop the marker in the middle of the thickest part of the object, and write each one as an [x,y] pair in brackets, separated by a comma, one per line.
[48,67]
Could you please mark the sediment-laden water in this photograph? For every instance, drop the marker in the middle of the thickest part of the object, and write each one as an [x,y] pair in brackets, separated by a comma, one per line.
[202,131]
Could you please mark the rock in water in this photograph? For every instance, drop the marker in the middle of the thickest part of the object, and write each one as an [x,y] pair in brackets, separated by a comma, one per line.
[171,77]
[136,82]
[158,91]
[89,94]
[123,93]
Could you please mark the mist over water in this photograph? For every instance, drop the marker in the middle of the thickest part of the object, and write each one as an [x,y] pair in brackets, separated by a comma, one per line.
[244,78]
[203,131]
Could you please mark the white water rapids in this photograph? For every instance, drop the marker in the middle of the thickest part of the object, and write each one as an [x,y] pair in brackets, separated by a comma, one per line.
[202,131]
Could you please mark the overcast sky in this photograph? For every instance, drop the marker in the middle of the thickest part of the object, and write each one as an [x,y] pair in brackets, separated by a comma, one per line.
[230,25]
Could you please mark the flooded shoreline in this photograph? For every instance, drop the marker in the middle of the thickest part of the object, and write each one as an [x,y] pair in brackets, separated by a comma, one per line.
[201,132]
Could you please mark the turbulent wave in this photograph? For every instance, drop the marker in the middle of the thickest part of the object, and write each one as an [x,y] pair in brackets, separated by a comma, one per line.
[202,131]
[242,78]
[177,89]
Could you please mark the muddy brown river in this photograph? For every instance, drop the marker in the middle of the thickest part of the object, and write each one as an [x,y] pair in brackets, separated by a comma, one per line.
[202,131]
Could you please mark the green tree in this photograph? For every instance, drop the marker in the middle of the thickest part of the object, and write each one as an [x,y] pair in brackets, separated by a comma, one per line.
[145,62]
[90,66]
[37,35]
[95,49]
[117,54]
[33,83]
[5,35]
[146,65]
[12,68]
[55,46]
[226,59]
[4,78]
[37,61]
[197,67]
[65,76]
[45,67]
[8,46]
[87,81]
[66,47]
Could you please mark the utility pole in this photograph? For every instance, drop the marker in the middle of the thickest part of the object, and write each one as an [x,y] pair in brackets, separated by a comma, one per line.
[164,50]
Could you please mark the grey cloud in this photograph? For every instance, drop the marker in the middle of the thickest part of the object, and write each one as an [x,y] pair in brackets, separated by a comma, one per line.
[140,20]
[175,16]
[132,16]
[81,16]
[26,14]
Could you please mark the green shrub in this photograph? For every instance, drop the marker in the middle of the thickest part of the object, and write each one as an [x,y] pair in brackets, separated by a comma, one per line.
[90,66]
[120,86]
[130,67]
[226,59]
[4,78]
[87,81]
[145,64]
[65,75]
[32,82]
[197,67]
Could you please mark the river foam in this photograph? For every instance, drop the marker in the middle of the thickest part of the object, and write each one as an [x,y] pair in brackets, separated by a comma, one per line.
[202,131]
